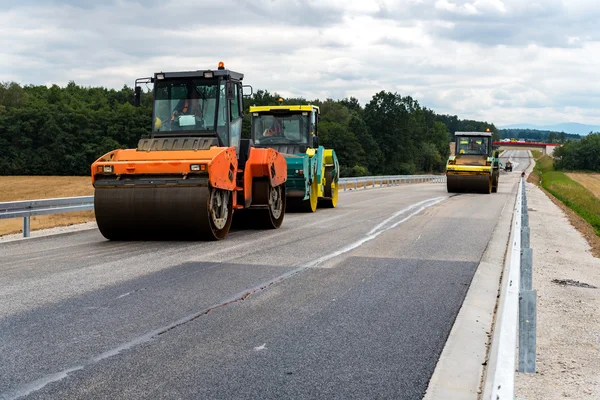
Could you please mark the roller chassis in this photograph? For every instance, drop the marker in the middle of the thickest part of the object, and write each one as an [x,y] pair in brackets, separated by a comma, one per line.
[313,170]
[312,179]
[190,185]
[478,173]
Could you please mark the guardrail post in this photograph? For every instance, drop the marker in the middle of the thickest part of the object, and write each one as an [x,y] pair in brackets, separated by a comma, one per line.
[26,226]
[525,219]
[526,268]
[527,330]
[525,237]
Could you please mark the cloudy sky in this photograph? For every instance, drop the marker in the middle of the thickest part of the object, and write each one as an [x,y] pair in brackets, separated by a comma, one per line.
[504,61]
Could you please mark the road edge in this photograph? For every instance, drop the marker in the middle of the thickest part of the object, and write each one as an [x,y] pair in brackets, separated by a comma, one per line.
[460,369]
[46,232]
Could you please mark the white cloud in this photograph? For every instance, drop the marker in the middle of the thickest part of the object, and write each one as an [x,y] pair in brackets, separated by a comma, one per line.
[502,61]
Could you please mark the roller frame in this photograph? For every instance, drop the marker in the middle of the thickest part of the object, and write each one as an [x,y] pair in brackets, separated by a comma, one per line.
[149,196]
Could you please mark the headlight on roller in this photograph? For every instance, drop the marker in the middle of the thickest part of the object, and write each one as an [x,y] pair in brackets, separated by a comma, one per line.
[107,169]
[197,167]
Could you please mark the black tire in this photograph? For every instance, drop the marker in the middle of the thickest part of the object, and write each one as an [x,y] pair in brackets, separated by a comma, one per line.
[163,213]
[331,195]
[265,194]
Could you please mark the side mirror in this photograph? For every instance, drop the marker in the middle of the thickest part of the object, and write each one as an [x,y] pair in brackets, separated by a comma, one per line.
[496,154]
[245,92]
[137,99]
[230,91]
[315,142]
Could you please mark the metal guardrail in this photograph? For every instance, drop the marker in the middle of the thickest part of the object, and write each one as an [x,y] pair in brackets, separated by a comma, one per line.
[527,297]
[517,306]
[390,180]
[28,208]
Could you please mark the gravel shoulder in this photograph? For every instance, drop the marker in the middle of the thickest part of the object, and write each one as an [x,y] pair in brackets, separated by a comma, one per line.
[568,327]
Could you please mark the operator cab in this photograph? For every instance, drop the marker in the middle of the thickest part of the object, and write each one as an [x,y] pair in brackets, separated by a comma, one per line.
[473,143]
[287,129]
[204,105]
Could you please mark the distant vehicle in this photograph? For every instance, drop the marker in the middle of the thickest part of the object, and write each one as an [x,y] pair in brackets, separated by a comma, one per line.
[508,166]
[474,167]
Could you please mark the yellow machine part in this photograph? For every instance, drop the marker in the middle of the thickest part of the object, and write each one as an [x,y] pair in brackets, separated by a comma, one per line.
[330,188]
[290,107]
[468,174]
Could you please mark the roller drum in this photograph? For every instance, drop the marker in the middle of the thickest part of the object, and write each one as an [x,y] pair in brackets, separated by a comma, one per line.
[468,183]
[145,213]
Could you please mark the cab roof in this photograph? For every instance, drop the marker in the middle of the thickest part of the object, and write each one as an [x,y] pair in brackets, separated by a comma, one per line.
[284,108]
[473,133]
[200,74]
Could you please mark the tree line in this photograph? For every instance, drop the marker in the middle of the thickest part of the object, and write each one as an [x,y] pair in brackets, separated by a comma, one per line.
[581,155]
[538,135]
[63,130]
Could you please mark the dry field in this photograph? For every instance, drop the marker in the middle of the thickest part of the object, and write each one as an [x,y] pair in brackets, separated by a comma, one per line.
[590,181]
[14,188]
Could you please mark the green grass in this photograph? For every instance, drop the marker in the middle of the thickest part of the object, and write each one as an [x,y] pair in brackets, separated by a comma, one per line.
[536,154]
[571,193]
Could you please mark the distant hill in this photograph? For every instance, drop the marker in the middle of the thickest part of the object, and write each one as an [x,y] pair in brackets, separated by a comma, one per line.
[537,135]
[567,127]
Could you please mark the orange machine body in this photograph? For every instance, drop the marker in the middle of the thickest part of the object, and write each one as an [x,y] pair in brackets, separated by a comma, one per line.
[262,163]
[218,164]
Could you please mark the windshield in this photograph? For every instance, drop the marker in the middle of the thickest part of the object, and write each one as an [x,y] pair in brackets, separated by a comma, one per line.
[185,105]
[473,145]
[280,129]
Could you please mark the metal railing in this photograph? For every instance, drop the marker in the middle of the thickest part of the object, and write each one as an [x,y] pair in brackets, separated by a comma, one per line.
[390,180]
[517,309]
[527,296]
[28,208]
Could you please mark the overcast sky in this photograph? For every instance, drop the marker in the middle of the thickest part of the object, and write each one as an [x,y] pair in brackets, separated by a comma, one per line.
[504,61]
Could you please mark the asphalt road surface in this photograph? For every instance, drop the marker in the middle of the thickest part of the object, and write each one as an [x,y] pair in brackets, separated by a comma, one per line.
[354,302]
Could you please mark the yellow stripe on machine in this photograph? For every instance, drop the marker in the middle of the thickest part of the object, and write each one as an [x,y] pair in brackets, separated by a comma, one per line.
[291,108]
[469,168]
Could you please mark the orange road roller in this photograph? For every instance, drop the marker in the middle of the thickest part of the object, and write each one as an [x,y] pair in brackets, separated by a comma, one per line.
[190,177]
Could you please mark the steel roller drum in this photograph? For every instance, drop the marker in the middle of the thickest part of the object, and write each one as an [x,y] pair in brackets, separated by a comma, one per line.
[144,213]
[468,183]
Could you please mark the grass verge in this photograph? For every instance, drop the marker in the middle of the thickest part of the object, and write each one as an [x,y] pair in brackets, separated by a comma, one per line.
[574,195]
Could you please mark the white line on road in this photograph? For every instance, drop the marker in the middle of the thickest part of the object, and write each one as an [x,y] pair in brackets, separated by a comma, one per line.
[378,230]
